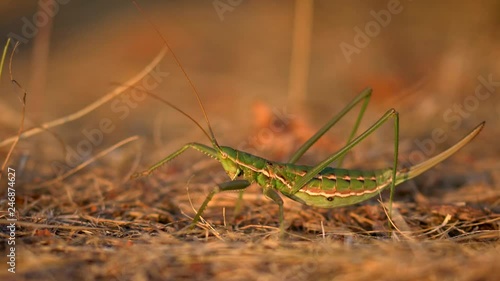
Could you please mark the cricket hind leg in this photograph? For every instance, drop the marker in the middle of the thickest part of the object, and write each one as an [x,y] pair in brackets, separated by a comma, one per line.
[226,186]
[363,96]
[391,113]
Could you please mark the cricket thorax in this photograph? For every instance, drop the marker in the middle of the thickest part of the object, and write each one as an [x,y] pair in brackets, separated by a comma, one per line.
[250,167]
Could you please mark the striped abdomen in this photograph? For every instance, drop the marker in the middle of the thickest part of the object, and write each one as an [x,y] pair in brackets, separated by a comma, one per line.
[335,187]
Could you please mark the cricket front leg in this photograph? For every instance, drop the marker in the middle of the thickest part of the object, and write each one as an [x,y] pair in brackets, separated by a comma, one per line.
[197,146]
[226,186]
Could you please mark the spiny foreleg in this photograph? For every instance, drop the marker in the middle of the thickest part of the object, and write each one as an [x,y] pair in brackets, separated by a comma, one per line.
[226,186]
[197,146]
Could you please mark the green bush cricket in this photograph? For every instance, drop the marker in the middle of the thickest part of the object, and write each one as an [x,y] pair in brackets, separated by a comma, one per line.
[318,186]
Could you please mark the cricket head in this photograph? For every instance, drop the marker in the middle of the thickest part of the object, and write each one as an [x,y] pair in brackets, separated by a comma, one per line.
[227,157]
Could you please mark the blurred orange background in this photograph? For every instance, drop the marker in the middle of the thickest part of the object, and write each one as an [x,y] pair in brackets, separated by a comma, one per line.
[424,60]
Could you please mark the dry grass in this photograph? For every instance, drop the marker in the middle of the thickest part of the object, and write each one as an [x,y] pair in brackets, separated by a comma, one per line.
[92,228]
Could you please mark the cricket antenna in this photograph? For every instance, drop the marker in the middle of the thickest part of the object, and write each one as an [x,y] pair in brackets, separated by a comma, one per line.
[173,106]
[212,136]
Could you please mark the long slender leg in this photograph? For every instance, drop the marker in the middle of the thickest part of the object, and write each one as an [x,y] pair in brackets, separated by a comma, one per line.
[318,168]
[226,186]
[356,125]
[395,163]
[363,96]
[273,195]
[391,113]
[198,146]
